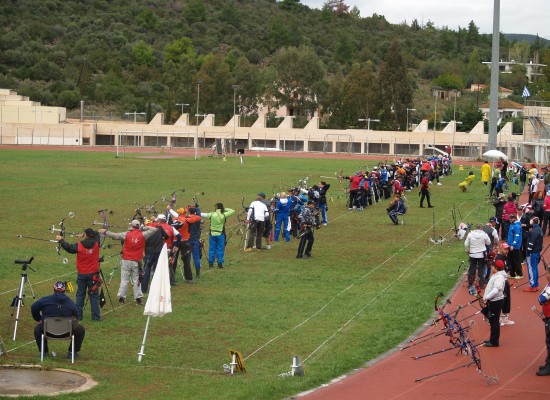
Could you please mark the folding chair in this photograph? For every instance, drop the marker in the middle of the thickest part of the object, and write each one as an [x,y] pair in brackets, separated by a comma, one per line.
[58,328]
[402,218]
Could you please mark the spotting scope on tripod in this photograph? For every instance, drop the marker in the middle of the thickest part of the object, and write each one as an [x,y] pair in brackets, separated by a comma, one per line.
[19,299]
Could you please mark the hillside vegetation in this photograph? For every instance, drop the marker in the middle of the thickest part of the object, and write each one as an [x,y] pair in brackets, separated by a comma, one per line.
[148,56]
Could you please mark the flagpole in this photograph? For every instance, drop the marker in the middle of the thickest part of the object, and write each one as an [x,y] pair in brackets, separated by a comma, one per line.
[141,353]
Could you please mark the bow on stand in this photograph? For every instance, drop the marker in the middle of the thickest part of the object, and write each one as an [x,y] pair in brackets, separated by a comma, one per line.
[458,339]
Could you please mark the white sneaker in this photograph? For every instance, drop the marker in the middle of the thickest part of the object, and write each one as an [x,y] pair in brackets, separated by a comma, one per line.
[325,224]
[439,184]
[268,246]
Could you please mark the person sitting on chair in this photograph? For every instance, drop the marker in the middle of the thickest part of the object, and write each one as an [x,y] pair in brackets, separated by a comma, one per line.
[57,305]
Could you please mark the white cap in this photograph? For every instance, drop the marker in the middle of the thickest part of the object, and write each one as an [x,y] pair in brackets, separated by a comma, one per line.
[161,217]
[135,223]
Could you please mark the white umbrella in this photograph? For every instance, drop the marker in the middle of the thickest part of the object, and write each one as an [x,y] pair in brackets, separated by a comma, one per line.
[495,155]
[159,301]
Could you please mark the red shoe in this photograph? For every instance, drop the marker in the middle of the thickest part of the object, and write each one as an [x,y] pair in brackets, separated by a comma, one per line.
[531,289]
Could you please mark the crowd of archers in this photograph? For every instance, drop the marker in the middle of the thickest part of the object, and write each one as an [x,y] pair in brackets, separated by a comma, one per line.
[513,236]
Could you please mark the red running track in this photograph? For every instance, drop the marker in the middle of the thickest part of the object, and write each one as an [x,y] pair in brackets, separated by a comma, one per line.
[522,349]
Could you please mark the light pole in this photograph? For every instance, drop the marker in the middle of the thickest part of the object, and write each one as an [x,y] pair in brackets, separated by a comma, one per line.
[235,87]
[368,120]
[182,105]
[436,94]
[409,109]
[455,93]
[455,123]
[196,141]
[135,114]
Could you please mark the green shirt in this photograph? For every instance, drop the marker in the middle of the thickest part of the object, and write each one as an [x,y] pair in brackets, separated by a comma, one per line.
[217,220]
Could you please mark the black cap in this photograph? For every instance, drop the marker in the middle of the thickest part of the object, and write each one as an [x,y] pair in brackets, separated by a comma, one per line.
[90,232]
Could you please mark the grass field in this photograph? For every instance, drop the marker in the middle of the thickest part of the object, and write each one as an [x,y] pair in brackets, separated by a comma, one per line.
[370,284]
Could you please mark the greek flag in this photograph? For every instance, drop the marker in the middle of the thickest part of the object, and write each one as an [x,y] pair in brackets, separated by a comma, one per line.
[525,92]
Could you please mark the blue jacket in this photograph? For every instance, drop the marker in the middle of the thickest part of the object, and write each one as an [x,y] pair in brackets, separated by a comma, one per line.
[514,235]
[283,206]
[56,305]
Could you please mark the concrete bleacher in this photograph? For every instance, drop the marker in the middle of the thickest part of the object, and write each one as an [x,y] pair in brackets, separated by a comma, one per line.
[18,109]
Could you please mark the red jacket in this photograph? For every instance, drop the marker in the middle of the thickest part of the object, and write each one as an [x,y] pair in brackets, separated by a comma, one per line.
[134,245]
[397,187]
[169,231]
[425,184]
[546,204]
[87,260]
[355,182]
[509,208]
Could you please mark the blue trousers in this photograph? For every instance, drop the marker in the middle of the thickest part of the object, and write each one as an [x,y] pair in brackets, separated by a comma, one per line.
[84,284]
[216,248]
[323,208]
[150,262]
[282,221]
[533,269]
[196,252]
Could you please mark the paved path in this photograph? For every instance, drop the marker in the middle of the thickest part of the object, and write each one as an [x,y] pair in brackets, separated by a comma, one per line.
[522,349]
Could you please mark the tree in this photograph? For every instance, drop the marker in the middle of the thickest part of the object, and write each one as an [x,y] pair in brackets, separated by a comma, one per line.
[195,11]
[475,71]
[143,53]
[298,70]
[216,93]
[339,7]
[449,81]
[361,87]
[343,51]
[179,49]
[69,98]
[470,116]
[520,52]
[516,80]
[472,35]
[395,89]
[247,76]
[147,20]
[334,104]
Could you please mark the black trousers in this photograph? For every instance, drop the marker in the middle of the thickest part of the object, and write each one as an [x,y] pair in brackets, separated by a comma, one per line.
[78,331]
[185,251]
[426,195]
[547,331]
[514,262]
[306,243]
[495,307]
[477,265]
[256,233]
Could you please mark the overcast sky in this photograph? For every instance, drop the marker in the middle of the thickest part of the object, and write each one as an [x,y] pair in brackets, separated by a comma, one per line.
[531,16]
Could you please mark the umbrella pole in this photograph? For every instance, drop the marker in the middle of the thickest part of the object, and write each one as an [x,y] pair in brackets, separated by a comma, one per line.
[141,353]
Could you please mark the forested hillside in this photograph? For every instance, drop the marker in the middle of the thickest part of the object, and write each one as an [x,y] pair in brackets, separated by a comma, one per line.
[149,55]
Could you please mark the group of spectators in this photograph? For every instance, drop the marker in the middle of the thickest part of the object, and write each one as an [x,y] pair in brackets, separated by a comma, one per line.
[513,237]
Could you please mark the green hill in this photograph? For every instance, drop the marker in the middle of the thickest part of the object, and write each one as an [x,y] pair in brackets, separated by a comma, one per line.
[144,55]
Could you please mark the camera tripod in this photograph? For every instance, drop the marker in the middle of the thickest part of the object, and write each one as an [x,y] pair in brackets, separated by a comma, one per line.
[19,299]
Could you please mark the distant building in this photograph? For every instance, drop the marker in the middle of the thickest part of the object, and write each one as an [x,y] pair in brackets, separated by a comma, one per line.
[532,69]
[503,92]
[506,108]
